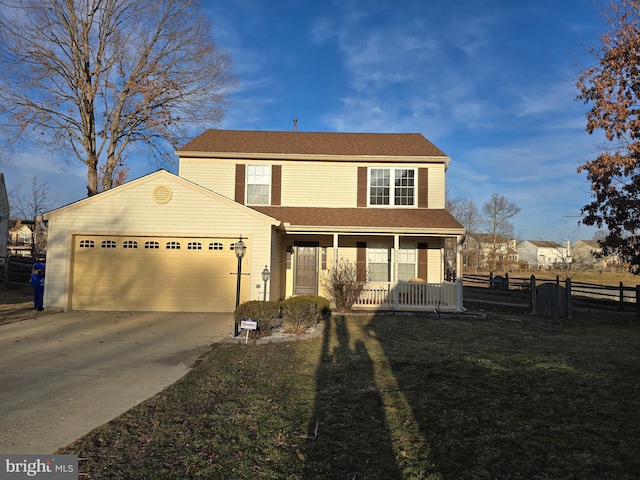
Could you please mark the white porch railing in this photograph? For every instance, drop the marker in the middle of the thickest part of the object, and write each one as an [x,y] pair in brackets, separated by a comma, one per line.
[446,296]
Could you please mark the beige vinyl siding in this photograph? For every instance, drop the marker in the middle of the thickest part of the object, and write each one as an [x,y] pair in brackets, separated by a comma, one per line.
[319,184]
[306,184]
[131,210]
[436,186]
[435,267]
[217,177]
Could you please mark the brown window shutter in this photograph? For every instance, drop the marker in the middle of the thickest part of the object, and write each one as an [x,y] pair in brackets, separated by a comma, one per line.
[276,184]
[422,260]
[361,261]
[423,187]
[240,182]
[362,186]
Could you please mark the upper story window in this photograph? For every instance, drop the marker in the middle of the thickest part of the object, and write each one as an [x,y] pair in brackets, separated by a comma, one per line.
[392,186]
[258,184]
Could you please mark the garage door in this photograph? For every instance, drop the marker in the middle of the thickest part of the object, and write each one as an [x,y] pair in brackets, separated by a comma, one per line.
[154,274]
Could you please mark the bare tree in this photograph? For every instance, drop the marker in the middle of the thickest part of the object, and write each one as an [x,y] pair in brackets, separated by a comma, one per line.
[91,79]
[498,212]
[467,214]
[30,206]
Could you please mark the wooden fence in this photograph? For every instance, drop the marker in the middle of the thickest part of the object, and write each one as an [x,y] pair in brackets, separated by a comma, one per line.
[15,271]
[621,297]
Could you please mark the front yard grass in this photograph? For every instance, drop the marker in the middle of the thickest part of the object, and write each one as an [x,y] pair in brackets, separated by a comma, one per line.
[392,397]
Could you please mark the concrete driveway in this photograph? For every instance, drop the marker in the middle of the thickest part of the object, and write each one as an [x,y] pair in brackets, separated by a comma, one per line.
[62,375]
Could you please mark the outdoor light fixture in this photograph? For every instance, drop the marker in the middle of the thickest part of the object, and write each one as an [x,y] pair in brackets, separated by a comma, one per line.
[265,278]
[239,249]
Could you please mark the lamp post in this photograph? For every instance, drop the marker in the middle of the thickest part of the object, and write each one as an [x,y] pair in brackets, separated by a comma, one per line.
[239,249]
[265,278]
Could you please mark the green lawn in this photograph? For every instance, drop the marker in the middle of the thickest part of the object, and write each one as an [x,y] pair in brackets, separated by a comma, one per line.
[507,397]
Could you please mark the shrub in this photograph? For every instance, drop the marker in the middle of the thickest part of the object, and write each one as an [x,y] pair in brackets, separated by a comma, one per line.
[299,313]
[343,285]
[323,305]
[267,314]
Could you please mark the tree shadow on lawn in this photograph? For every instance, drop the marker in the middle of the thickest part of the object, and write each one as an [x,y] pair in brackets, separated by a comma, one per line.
[353,438]
[499,400]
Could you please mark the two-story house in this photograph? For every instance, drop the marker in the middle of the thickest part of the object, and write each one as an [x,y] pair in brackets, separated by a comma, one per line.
[299,201]
[588,253]
[20,237]
[481,251]
[544,253]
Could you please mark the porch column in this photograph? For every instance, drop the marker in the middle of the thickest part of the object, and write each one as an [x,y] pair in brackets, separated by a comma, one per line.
[396,247]
[459,242]
[335,248]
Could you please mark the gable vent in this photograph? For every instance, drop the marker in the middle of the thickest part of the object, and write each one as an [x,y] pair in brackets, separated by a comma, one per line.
[161,194]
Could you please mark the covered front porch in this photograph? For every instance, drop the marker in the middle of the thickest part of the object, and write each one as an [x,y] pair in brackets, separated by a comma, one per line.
[402,272]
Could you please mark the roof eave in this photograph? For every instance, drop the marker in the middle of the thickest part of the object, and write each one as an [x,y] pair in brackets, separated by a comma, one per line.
[317,157]
[357,230]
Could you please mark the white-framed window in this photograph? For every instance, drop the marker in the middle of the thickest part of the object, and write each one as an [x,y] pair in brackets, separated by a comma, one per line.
[407,261]
[258,184]
[392,186]
[379,263]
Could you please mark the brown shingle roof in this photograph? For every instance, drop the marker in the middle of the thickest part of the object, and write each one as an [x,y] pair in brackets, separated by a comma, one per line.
[410,218]
[312,143]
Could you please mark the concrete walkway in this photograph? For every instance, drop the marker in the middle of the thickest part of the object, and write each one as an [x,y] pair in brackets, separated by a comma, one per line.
[65,374]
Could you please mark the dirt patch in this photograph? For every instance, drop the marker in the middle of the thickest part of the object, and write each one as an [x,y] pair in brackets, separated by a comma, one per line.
[16,303]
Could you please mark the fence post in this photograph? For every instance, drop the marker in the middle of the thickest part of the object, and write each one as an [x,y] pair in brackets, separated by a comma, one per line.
[621,297]
[569,300]
[506,277]
[637,302]
[534,306]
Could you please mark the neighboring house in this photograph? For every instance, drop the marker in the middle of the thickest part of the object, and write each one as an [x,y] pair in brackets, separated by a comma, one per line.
[4,220]
[299,201]
[20,237]
[586,252]
[479,251]
[544,254]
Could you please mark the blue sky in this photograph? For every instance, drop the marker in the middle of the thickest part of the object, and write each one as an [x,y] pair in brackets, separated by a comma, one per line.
[490,82]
